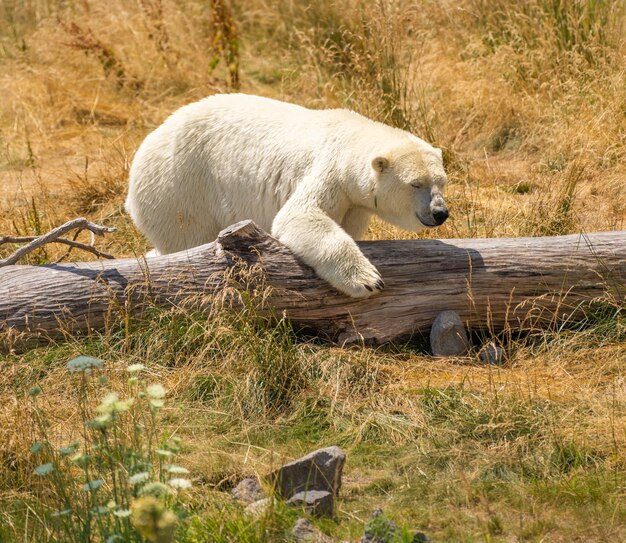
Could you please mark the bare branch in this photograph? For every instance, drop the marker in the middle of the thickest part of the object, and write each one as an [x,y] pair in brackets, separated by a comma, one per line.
[54,236]
[92,243]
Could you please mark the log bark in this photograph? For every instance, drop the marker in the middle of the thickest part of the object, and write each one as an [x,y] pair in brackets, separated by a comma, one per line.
[516,283]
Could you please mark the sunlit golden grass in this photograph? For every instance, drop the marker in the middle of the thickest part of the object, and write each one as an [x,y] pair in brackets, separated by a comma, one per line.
[244,397]
[527,99]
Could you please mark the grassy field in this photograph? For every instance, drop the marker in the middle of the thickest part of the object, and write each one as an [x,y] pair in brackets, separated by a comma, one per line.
[528,101]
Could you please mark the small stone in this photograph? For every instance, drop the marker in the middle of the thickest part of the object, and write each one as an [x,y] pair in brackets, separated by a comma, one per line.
[248,490]
[258,507]
[304,531]
[420,537]
[448,336]
[319,470]
[492,354]
[318,503]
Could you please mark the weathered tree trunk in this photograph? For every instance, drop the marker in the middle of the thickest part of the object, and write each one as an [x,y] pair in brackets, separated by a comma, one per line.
[493,283]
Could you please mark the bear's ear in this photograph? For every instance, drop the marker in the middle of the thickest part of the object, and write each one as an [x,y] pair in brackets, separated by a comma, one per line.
[380,164]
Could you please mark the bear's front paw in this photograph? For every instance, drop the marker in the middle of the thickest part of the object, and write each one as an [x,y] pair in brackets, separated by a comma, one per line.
[361,282]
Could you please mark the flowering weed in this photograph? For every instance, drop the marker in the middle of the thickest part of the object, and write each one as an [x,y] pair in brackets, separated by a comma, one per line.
[112,484]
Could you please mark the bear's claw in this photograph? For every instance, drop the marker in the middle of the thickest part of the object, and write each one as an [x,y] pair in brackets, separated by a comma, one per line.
[368,282]
[360,281]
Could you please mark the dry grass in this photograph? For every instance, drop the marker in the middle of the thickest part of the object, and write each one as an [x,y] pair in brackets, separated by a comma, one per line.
[528,101]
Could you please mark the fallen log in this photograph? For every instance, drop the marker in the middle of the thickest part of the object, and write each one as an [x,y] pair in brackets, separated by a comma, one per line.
[519,283]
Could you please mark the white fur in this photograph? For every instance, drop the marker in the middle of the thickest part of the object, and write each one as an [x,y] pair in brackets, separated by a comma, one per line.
[311,177]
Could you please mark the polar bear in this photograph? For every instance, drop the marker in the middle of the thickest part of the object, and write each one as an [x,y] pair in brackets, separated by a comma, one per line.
[313,178]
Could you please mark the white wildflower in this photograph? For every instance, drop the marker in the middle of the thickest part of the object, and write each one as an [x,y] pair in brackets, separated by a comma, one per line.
[84,363]
[141,477]
[93,485]
[65,451]
[178,470]
[111,403]
[100,510]
[180,484]
[156,489]
[164,453]
[44,469]
[81,459]
[156,391]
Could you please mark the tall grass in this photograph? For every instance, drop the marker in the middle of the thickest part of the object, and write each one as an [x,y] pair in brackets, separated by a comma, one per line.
[225,41]
[356,50]
[585,29]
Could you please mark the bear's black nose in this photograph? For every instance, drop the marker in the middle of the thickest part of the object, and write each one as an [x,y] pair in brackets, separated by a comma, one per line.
[440,215]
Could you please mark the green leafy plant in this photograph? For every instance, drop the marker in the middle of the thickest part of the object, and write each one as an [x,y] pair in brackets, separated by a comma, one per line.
[118,482]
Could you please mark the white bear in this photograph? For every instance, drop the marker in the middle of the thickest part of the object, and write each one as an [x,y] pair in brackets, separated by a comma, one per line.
[313,178]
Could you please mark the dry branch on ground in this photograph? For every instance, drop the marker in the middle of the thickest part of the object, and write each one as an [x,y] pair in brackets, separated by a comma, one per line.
[54,236]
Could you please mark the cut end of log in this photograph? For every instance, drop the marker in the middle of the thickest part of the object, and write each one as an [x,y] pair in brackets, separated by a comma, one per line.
[241,235]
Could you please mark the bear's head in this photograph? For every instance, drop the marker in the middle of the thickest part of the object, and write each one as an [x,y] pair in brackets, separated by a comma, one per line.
[409,181]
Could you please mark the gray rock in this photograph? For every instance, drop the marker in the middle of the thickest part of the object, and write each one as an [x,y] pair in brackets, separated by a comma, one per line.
[248,490]
[492,354]
[304,531]
[258,507]
[448,336]
[318,503]
[420,537]
[319,470]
